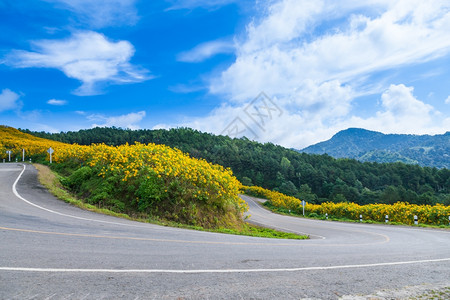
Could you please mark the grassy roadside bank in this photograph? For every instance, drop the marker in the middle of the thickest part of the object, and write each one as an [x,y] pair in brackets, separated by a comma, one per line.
[52,181]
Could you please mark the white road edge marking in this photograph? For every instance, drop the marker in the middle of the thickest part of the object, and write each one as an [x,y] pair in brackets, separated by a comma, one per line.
[54,270]
[61,270]
[58,213]
[81,218]
[281,228]
[87,219]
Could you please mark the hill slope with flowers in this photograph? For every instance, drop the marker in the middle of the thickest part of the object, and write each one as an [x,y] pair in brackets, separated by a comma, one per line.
[140,180]
[15,141]
[314,178]
[160,181]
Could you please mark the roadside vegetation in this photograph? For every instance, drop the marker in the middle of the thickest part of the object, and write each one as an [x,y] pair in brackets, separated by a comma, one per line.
[399,213]
[314,178]
[52,181]
[150,183]
[152,180]
[164,184]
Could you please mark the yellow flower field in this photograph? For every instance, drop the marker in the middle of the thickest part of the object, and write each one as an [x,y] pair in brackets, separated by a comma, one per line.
[14,140]
[128,161]
[400,212]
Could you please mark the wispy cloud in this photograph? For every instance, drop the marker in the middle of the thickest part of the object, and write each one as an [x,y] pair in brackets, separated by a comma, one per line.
[57,102]
[191,4]
[87,56]
[11,101]
[207,50]
[187,88]
[8,100]
[102,13]
[447,101]
[130,120]
[30,116]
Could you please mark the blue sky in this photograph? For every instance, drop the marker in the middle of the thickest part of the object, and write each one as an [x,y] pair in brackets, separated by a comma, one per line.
[291,72]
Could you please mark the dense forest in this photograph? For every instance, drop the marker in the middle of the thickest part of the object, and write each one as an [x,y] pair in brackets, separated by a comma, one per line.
[366,145]
[311,177]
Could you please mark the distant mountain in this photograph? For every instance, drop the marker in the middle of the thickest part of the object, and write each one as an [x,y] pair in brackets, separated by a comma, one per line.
[366,145]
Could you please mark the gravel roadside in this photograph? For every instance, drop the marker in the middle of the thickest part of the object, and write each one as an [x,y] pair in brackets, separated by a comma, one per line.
[419,292]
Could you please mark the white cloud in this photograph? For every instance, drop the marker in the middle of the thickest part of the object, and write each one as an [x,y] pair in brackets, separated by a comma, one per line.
[130,120]
[400,101]
[8,100]
[283,21]
[447,101]
[57,102]
[206,50]
[402,112]
[87,56]
[191,4]
[161,126]
[279,53]
[288,129]
[102,13]
[399,111]
[43,127]
[316,57]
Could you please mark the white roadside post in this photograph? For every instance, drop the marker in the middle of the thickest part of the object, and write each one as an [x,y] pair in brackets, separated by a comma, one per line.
[23,154]
[387,218]
[360,218]
[9,154]
[303,204]
[326,216]
[50,151]
[416,220]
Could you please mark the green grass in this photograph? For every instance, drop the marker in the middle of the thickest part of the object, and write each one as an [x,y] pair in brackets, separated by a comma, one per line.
[257,231]
[439,294]
[52,181]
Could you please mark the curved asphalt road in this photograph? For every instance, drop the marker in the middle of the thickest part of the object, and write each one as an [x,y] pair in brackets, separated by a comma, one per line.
[51,250]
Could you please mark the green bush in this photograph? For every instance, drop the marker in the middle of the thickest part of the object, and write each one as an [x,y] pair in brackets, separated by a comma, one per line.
[78,177]
[151,191]
[313,215]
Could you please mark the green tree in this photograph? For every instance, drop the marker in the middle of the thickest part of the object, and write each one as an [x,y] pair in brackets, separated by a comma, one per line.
[288,188]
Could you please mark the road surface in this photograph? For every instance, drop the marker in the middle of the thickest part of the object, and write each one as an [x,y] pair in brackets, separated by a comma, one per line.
[51,250]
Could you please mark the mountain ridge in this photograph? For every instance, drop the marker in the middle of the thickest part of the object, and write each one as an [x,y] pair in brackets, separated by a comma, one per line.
[374,146]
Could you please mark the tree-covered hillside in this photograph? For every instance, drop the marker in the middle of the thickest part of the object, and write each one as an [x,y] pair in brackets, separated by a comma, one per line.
[365,145]
[314,178]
